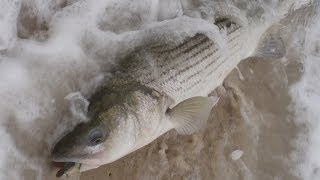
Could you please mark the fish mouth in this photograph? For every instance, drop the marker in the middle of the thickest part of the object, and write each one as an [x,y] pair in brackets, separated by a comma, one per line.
[72,165]
[66,168]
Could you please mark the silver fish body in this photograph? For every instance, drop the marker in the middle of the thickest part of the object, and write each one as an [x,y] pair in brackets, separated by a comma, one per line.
[159,88]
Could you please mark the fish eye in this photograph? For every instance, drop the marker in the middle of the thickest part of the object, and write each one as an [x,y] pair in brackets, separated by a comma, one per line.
[95,137]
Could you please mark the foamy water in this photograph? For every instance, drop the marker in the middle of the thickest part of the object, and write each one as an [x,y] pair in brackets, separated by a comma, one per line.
[306,101]
[49,49]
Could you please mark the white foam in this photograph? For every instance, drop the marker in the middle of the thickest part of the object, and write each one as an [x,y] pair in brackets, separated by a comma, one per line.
[306,98]
[52,48]
[8,14]
[49,49]
[236,154]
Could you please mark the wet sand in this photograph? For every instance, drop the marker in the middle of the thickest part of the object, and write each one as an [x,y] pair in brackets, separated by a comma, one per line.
[251,116]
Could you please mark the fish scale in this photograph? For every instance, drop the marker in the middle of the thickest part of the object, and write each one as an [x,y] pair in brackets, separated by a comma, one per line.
[194,68]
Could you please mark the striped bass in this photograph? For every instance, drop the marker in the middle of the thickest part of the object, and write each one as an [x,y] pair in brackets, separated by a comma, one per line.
[159,88]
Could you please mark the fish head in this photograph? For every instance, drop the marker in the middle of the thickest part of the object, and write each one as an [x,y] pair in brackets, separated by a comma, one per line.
[119,122]
[96,142]
[84,144]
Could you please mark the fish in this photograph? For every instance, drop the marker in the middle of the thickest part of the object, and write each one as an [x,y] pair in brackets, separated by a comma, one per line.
[159,88]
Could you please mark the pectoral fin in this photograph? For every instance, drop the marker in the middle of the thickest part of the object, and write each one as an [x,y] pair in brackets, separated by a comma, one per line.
[191,114]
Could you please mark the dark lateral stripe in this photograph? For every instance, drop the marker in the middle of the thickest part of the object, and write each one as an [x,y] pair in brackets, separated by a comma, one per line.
[208,66]
[186,50]
[178,89]
[198,62]
[198,72]
[164,61]
[235,48]
[189,44]
[149,78]
[193,42]
[206,57]
[192,47]
[193,85]
[195,53]
[183,49]
[184,45]
[222,62]
[188,67]
[219,55]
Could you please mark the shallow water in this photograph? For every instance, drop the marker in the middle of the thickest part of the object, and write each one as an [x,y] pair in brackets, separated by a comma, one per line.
[49,49]
[251,116]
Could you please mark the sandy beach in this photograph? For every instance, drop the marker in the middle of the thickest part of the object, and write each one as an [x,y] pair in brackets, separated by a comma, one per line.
[251,117]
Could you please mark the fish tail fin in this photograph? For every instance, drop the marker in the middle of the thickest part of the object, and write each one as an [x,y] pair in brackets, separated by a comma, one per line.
[271,44]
